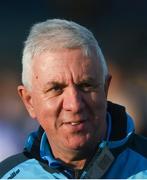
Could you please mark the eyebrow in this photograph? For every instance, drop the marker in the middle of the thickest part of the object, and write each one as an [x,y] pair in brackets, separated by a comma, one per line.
[55,82]
[52,83]
[88,79]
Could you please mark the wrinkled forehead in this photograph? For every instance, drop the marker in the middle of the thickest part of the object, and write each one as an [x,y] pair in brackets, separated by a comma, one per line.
[67,64]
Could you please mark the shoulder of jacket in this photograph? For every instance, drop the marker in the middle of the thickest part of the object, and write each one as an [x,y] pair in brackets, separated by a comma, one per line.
[11,162]
[139,144]
[136,143]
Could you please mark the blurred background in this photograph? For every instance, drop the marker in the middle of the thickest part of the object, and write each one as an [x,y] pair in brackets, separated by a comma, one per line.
[120,27]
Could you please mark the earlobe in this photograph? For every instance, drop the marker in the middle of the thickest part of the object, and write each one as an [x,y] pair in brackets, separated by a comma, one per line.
[27,99]
[107,84]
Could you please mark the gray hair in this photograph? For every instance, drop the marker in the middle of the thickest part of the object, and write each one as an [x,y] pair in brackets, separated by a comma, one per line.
[56,34]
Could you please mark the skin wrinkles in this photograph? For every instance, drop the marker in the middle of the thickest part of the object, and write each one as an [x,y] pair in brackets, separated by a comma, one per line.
[68,99]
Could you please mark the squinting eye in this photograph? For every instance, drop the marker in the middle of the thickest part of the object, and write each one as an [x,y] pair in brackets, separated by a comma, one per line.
[54,91]
[56,88]
[86,87]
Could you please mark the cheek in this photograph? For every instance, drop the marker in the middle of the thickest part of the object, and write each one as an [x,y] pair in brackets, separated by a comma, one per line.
[47,112]
[97,103]
[96,99]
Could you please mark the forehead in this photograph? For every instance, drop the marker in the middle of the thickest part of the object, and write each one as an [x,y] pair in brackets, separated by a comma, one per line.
[65,64]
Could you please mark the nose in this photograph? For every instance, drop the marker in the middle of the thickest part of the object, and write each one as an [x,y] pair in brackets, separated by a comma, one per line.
[73,100]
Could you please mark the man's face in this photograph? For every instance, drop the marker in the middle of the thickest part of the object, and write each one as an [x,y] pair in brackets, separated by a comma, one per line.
[68,98]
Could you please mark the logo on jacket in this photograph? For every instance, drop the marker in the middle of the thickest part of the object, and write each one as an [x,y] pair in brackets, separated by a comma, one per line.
[13,174]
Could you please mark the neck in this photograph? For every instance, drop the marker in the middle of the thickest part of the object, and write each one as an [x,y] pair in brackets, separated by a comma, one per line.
[75,164]
[74,159]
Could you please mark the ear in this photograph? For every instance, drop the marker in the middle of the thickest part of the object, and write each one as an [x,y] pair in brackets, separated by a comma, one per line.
[107,84]
[26,97]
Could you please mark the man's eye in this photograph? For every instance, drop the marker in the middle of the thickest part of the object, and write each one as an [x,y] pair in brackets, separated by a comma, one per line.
[54,91]
[86,87]
[57,88]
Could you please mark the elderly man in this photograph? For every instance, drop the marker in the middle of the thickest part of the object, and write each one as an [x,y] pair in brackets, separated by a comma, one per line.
[81,135]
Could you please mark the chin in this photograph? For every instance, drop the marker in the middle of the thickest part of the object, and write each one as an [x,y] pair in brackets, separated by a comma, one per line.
[79,143]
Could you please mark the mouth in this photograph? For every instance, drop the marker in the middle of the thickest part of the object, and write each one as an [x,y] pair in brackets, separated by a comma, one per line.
[74,123]
[75,126]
